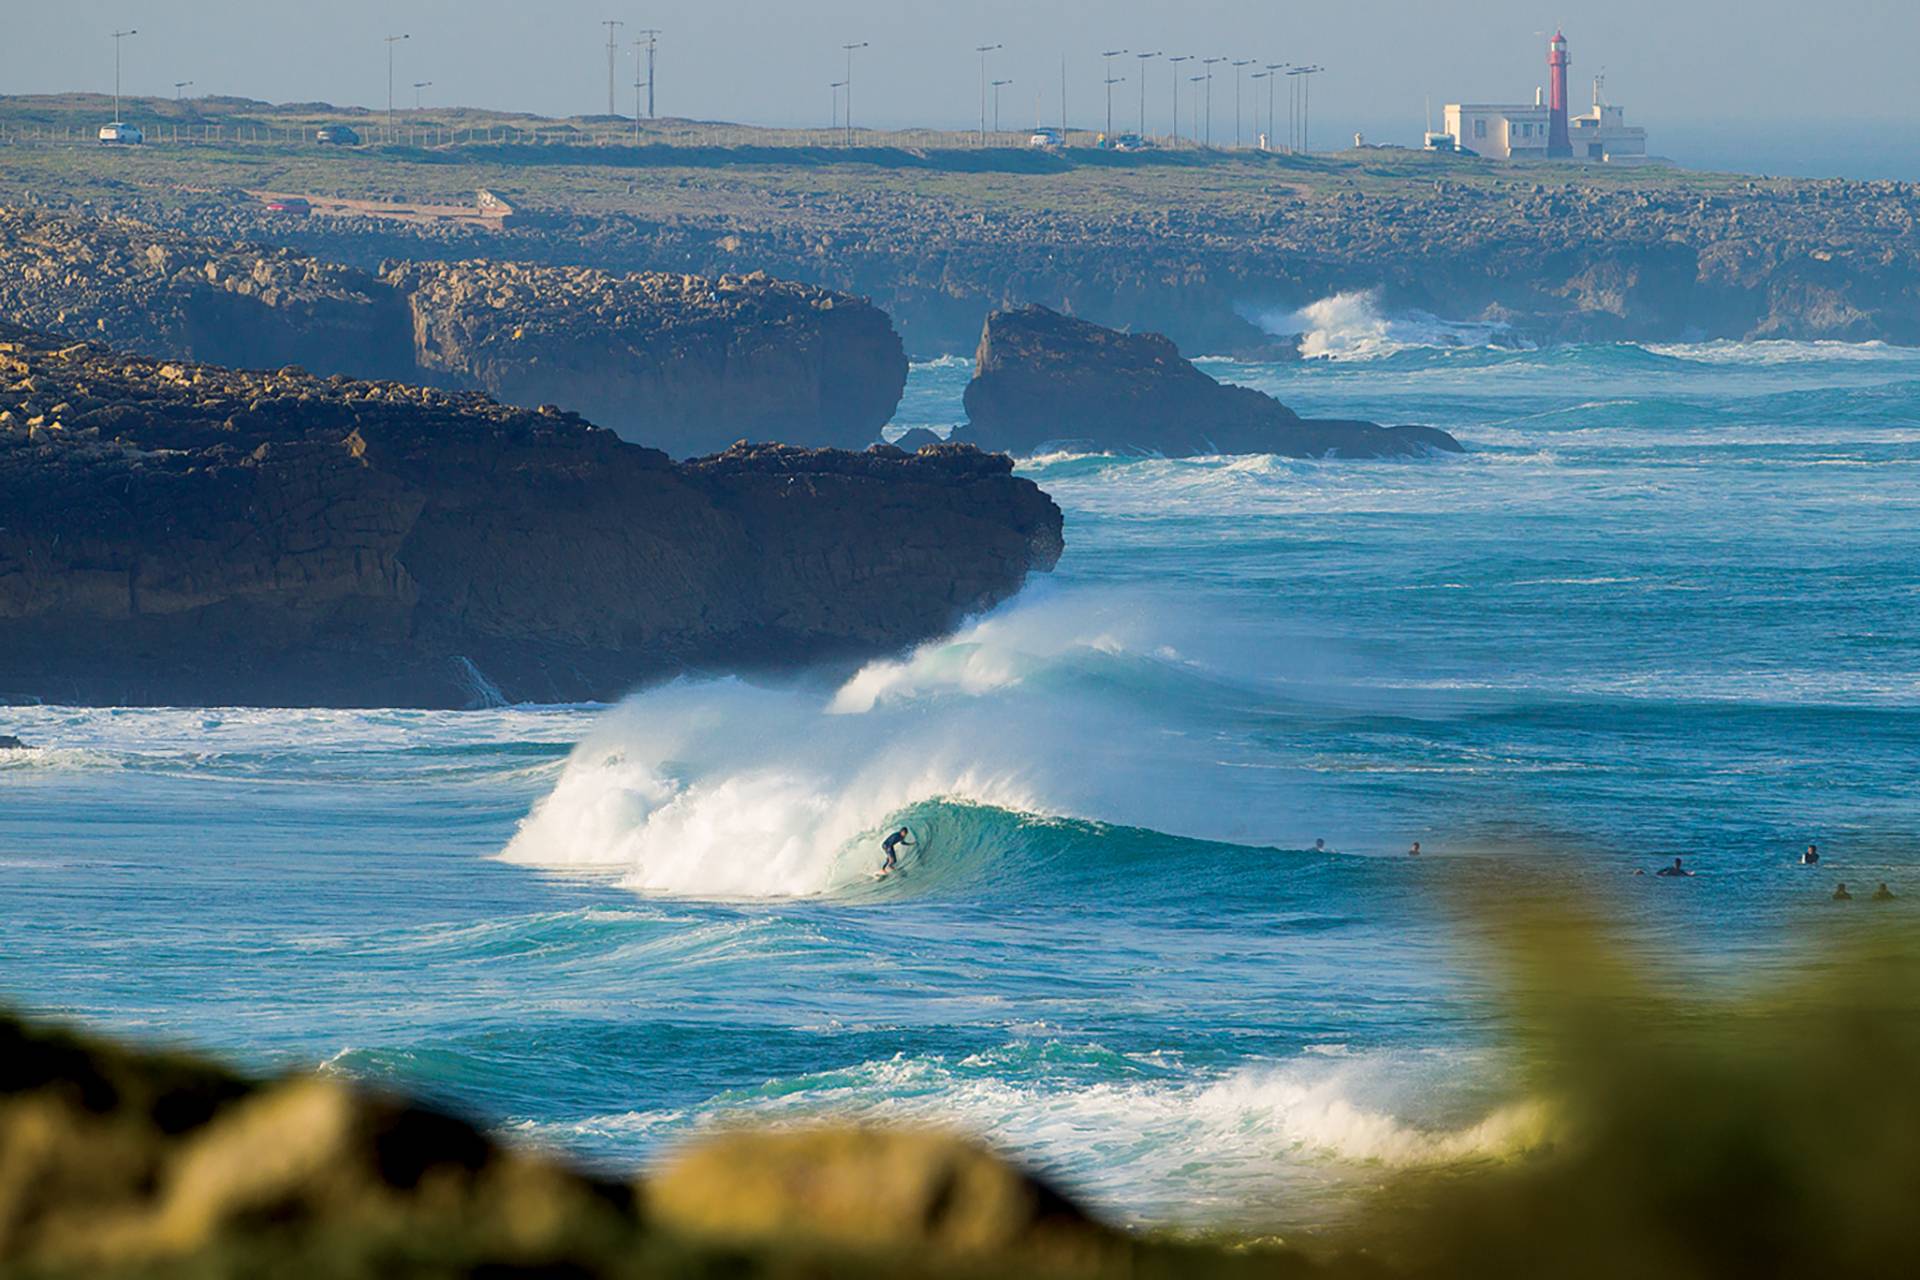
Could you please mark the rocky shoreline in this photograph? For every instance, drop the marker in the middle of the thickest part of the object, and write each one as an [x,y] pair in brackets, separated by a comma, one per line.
[188,535]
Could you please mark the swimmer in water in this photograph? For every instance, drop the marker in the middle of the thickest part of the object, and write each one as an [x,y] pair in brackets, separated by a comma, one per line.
[1811,858]
[1415,851]
[1675,870]
[1883,894]
[891,847]
[1319,846]
[1841,894]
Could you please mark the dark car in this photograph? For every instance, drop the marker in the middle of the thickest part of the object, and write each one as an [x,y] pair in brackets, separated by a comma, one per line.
[337,135]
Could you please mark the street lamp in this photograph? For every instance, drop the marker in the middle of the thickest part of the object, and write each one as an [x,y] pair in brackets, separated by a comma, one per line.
[837,86]
[418,85]
[1144,57]
[849,83]
[118,36]
[1175,64]
[1273,126]
[391,41]
[1306,75]
[178,85]
[1239,81]
[998,85]
[1110,55]
[983,50]
[1258,136]
[1208,63]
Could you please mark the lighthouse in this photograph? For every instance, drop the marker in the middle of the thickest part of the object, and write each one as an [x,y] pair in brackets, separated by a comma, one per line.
[1559,136]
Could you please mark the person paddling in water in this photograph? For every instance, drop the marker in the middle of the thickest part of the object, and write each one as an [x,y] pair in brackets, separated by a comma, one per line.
[891,847]
[1677,869]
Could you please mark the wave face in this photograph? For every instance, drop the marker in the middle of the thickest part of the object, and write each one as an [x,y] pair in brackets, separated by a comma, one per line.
[1356,326]
[1662,607]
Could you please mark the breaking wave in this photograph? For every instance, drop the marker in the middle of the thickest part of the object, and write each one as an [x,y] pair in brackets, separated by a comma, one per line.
[1353,326]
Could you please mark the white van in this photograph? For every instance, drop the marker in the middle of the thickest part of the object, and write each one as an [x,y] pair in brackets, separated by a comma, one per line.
[126,134]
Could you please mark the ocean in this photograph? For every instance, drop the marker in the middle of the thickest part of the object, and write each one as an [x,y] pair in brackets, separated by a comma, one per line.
[1664,607]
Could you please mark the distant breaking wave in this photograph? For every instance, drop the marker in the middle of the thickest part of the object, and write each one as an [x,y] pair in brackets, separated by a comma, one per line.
[1352,326]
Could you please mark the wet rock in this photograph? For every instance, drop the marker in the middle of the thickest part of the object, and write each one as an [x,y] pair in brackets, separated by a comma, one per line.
[1041,378]
[192,535]
[10,743]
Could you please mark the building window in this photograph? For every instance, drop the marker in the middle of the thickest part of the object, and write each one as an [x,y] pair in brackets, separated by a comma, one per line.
[1479,128]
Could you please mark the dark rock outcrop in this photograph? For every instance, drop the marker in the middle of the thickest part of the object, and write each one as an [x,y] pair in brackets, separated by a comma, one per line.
[182,534]
[682,363]
[1041,377]
[10,743]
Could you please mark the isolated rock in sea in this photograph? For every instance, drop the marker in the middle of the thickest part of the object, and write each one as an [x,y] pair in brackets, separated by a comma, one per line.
[1041,377]
[682,363]
[184,534]
[10,743]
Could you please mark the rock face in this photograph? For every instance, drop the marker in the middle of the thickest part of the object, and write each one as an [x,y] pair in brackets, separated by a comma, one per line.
[682,363]
[1042,377]
[184,534]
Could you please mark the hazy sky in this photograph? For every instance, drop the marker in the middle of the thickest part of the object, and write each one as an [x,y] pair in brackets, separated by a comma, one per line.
[1736,71]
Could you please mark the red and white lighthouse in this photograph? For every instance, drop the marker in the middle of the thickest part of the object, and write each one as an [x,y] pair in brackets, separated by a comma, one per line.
[1559,135]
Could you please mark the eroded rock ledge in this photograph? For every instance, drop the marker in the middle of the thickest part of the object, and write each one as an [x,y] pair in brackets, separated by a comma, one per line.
[1041,377]
[684,363]
[185,534]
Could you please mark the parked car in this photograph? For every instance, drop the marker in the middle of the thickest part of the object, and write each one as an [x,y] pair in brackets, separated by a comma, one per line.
[122,134]
[292,206]
[337,135]
[1047,139]
[1131,142]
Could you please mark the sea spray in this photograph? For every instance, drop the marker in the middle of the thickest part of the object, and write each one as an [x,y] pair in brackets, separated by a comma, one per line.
[1354,326]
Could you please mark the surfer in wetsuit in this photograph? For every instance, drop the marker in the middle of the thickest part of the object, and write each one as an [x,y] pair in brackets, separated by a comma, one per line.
[1883,894]
[1675,870]
[1811,858]
[1841,894]
[1415,851]
[891,847]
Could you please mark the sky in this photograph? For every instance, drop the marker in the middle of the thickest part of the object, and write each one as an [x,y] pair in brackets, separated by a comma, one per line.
[1764,85]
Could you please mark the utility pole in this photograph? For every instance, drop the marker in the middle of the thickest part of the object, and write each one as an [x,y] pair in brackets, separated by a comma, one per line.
[638,85]
[1144,58]
[1110,55]
[391,41]
[119,36]
[418,85]
[1208,63]
[983,50]
[1239,82]
[1063,99]
[998,85]
[613,54]
[1273,126]
[178,85]
[1175,64]
[653,43]
[849,83]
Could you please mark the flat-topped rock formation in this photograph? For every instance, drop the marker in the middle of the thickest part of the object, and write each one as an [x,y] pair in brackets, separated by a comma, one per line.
[185,534]
[684,363]
[679,362]
[1042,378]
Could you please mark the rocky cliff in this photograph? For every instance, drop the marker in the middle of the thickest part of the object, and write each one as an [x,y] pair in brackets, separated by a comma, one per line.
[184,534]
[684,363]
[1042,377]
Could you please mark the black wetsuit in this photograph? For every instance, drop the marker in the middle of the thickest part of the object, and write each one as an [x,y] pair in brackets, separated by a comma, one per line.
[890,846]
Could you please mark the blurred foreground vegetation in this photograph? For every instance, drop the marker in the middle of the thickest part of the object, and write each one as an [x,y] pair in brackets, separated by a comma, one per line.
[1770,1133]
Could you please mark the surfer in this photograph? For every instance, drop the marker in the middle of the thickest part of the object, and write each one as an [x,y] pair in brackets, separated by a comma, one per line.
[1841,894]
[1677,869]
[1415,851]
[891,847]
[1811,858]
[1319,846]
[1883,894]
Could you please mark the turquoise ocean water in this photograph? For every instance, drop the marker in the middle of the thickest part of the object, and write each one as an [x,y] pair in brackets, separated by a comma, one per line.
[1664,607]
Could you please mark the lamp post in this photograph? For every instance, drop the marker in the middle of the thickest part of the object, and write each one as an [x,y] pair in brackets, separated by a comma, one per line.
[1273,126]
[837,86]
[391,41]
[998,85]
[119,36]
[1144,59]
[418,85]
[1110,55]
[1257,135]
[1239,82]
[653,44]
[613,53]
[1175,64]
[1306,106]
[1208,63]
[178,85]
[983,50]
[849,48]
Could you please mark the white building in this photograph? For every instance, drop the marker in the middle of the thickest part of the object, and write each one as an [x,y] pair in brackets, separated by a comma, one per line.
[1520,133]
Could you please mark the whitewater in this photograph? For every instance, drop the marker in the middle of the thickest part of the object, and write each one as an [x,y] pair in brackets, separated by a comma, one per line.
[1662,607]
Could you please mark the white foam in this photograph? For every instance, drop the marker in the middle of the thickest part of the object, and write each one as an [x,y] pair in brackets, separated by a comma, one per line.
[1353,326]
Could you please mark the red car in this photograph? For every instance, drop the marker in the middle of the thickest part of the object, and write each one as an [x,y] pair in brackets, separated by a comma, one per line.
[292,205]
